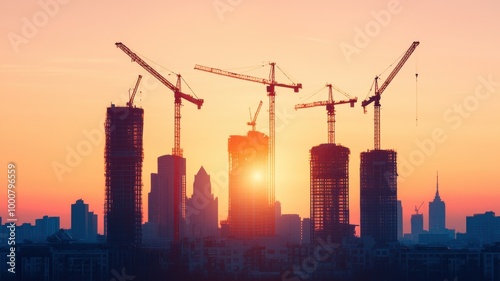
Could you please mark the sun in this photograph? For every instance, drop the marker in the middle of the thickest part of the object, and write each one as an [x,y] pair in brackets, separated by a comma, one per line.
[257,176]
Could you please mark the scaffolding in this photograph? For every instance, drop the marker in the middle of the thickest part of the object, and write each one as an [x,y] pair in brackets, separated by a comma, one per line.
[123,175]
[378,195]
[330,192]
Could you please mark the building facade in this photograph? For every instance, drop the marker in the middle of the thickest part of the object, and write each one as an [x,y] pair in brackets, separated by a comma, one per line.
[378,194]
[161,198]
[329,192]
[251,204]
[123,175]
[202,214]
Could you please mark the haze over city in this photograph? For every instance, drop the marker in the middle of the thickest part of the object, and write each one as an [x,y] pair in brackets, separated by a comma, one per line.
[60,72]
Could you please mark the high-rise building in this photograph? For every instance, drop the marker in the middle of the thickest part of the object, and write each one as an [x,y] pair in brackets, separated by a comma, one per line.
[161,198]
[79,220]
[483,227]
[329,192]
[83,222]
[202,215]
[288,228]
[400,220]
[46,226]
[251,204]
[437,212]
[417,226]
[378,194]
[123,175]
[92,227]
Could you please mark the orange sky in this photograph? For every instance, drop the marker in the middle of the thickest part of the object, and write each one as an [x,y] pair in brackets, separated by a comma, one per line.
[60,70]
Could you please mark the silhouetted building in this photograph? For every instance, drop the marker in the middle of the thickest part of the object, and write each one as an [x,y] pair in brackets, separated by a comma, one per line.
[45,227]
[288,228]
[378,194]
[330,192]
[79,220]
[306,231]
[202,214]
[400,220]
[92,229]
[161,198]
[123,174]
[417,226]
[83,222]
[483,227]
[437,213]
[251,208]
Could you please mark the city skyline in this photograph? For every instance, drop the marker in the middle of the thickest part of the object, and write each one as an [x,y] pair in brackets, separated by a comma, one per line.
[72,79]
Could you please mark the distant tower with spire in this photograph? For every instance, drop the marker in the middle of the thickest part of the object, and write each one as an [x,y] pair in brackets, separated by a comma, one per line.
[437,212]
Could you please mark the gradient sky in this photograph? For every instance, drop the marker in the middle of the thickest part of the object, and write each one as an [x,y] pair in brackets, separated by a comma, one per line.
[60,69]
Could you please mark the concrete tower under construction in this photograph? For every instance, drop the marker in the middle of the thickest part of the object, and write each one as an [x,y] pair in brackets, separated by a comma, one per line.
[330,193]
[378,194]
[251,208]
[123,163]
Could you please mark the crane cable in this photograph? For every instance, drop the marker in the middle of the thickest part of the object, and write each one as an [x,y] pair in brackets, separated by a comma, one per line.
[416,89]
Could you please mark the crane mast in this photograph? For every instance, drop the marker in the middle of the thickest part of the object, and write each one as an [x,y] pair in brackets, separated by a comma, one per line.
[271,93]
[378,92]
[330,108]
[179,192]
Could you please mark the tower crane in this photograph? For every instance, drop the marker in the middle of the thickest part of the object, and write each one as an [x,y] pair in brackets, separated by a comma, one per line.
[253,120]
[418,209]
[177,150]
[378,92]
[130,103]
[330,108]
[271,93]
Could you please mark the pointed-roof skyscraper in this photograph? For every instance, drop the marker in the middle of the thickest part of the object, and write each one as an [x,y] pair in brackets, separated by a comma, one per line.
[437,212]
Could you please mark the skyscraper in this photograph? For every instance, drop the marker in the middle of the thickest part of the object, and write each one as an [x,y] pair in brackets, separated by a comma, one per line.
[123,175]
[330,192]
[251,206]
[202,219]
[437,212]
[378,194]
[161,198]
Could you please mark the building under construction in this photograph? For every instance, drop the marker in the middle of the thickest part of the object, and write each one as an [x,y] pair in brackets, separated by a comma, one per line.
[251,208]
[123,161]
[330,193]
[378,194]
